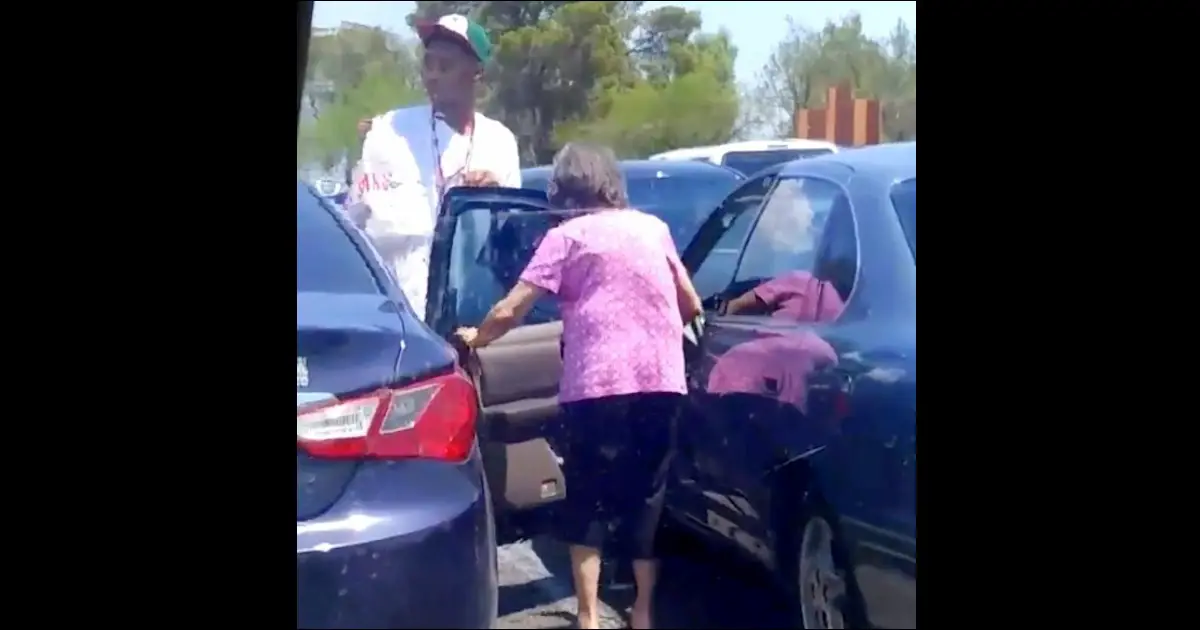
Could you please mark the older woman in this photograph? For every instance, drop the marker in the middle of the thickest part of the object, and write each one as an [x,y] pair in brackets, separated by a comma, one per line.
[624,296]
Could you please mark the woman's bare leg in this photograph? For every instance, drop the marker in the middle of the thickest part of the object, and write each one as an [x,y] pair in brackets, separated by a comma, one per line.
[585,569]
[645,574]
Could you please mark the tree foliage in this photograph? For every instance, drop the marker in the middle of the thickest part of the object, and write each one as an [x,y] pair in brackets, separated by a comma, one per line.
[683,92]
[641,81]
[808,61]
[354,71]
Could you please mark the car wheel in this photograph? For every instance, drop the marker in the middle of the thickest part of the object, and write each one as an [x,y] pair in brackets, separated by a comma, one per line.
[821,583]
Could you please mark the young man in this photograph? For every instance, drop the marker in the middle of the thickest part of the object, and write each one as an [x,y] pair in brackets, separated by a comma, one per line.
[415,154]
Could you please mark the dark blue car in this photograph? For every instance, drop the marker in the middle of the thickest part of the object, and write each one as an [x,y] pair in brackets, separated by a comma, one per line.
[394,525]
[799,449]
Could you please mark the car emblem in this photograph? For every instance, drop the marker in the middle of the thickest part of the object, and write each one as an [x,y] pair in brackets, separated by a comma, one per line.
[301,372]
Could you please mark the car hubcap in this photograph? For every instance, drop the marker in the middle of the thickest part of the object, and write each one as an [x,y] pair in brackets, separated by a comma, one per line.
[821,585]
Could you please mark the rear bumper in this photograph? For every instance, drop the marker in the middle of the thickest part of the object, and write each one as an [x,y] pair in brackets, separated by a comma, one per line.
[418,557]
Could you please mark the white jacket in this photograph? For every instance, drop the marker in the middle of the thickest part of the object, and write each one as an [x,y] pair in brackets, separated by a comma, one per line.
[395,195]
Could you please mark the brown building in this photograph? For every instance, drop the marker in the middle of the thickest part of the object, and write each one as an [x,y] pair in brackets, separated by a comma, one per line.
[845,120]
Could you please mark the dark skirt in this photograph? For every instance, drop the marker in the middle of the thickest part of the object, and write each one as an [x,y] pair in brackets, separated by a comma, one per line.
[616,454]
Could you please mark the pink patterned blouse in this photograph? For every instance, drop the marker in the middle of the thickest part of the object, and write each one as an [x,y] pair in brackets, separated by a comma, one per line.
[622,332]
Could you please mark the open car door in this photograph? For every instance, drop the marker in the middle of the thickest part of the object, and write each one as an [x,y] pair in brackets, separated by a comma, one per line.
[483,239]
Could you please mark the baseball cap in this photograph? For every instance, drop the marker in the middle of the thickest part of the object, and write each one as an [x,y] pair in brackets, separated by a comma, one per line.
[460,28]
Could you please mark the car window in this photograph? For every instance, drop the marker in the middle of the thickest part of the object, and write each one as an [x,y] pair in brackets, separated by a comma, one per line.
[904,198]
[537,180]
[327,261]
[806,225]
[750,162]
[489,251]
[683,202]
[716,271]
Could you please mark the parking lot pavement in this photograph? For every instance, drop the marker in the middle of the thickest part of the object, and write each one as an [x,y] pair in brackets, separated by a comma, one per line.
[697,589]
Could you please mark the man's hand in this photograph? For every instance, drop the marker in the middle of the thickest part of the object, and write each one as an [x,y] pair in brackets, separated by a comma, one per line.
[364,126]
[480,178]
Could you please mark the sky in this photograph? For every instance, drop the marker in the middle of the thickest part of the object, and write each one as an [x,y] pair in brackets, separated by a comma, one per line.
[755,26]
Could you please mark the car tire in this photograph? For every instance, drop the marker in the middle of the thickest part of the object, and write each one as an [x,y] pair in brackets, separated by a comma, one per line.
[823,591]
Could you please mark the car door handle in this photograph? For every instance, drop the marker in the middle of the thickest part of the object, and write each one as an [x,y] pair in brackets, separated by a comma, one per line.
[693,331]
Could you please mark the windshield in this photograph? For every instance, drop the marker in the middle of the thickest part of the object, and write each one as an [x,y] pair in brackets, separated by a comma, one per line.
[683,202]
[904,197]
[326,259]
[749,162]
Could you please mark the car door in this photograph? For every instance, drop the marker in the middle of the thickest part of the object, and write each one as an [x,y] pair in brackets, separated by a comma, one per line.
[870,472]
[713,254]
[482,241]
[751,374]
[819,384]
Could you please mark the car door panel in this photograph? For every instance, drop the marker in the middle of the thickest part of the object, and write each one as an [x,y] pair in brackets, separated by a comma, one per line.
[517,379]
[524,364]
[752,376]
[753,389]
[870,478]
[516,376]
[708,450]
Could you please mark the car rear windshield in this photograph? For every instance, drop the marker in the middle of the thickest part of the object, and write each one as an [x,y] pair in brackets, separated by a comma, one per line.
[904,197]
[326,259]
[750,162]
[682,201]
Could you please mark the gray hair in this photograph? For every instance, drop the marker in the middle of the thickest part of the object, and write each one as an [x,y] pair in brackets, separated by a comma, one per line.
[586,176]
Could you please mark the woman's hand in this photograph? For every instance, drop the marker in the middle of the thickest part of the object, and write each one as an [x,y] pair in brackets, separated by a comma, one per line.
[468,335]
[502,317]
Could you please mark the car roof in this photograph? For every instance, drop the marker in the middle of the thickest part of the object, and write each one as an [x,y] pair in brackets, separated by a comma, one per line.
[651,168]
[746,145]
[895,160]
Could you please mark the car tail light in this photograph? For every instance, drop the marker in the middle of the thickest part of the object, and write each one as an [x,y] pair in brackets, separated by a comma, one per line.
[432,419]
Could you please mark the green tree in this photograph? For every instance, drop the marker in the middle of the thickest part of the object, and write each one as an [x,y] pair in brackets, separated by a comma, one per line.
[683,94]
[354,72]
[693,110]
[807,61]
[899,88]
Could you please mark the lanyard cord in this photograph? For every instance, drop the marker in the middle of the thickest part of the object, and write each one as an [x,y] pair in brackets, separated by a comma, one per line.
[442,180]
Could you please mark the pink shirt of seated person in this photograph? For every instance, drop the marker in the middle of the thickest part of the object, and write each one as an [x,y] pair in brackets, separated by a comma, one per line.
[801,297]
[613,272]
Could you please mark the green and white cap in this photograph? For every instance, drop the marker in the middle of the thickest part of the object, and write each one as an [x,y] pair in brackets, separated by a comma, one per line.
[460,28]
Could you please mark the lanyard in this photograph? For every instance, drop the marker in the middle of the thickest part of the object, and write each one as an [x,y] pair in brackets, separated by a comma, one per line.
[442,180]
